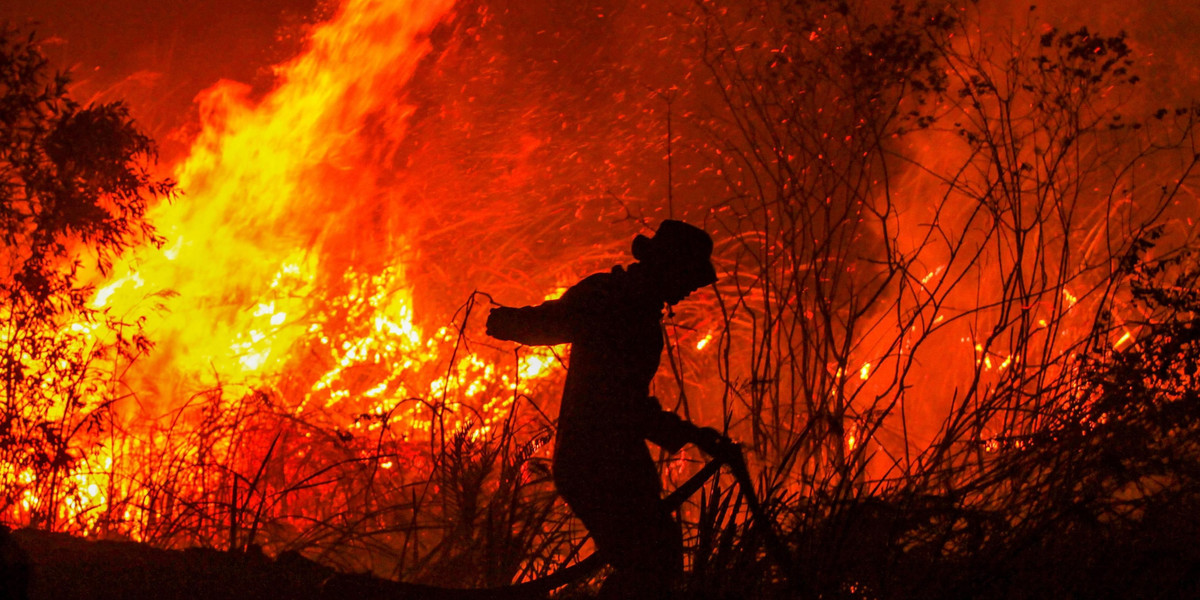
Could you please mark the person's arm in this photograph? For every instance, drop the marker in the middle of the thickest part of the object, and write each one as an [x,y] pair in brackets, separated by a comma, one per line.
[552,322]
[670,432]
[546,324]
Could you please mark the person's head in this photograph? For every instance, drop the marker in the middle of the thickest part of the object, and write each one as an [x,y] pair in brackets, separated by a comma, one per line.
[677,258]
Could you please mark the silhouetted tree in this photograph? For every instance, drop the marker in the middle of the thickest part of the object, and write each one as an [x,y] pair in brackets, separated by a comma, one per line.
[74,188]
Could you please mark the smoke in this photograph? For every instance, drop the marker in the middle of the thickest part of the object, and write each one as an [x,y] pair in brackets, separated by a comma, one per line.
[524,150]
[158,56]
[558,103]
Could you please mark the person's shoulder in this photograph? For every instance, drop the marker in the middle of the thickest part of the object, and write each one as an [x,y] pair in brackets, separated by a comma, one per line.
[603,279]
[596,285]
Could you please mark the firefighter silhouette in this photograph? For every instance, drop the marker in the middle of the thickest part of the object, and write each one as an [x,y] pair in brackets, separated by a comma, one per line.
[602,466]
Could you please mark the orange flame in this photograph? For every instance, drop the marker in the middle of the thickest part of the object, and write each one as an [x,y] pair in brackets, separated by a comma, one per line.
[285,253]
[266,217]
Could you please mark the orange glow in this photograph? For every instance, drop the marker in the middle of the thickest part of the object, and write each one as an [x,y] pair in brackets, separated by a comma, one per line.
[263,270]
[242,255]
[288,273]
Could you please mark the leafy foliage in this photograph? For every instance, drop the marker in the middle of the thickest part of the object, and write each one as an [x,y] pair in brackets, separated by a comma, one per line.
[74,188]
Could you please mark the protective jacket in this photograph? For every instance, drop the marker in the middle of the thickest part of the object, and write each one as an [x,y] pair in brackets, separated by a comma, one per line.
[602,466]
[614,328]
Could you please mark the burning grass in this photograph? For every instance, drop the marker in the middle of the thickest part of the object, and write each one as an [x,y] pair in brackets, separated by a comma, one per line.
[954,327]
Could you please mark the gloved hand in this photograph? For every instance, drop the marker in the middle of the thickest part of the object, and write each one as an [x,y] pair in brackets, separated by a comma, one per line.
[718,446]
[500,324]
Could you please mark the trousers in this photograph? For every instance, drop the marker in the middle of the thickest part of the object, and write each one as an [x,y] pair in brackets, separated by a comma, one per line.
[617,493]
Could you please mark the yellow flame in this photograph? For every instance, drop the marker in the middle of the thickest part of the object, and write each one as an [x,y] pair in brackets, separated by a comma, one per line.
[256,272]
[264,186]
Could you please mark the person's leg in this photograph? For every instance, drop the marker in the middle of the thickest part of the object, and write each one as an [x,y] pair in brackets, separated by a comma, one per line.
[647,555]
[620,504]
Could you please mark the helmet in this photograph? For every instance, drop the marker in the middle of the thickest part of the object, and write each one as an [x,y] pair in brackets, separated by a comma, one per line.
[684,250]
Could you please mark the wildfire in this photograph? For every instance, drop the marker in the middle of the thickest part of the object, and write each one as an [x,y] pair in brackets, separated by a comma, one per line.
[284,299]
[277,261]
[258,238]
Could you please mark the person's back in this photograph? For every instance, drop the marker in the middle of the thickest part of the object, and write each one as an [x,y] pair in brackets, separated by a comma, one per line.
[615,353]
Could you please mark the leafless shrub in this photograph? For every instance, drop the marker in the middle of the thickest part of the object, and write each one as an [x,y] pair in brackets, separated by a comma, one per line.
[930,224]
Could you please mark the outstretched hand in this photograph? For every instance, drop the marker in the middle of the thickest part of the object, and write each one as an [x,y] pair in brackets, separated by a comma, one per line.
[500,324]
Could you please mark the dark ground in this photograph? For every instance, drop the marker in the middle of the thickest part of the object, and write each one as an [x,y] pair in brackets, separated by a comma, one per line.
[56,566]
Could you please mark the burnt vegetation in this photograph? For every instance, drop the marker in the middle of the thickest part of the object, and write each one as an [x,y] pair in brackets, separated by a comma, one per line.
[956,333]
